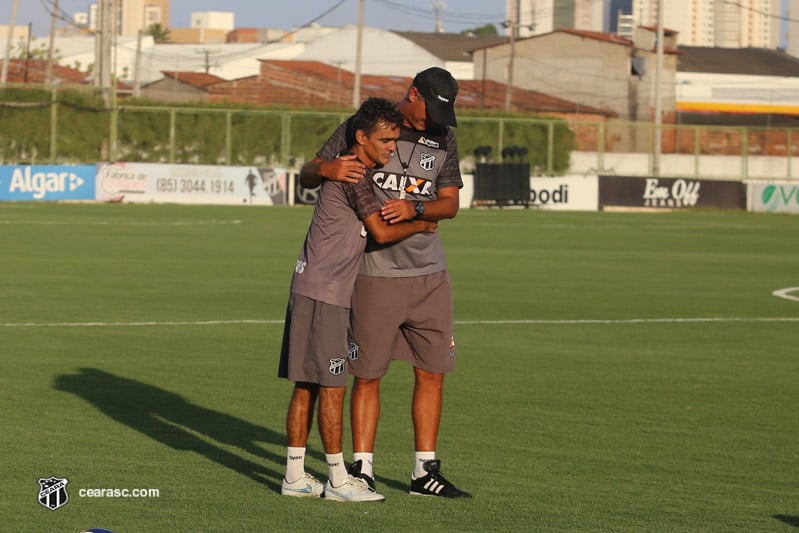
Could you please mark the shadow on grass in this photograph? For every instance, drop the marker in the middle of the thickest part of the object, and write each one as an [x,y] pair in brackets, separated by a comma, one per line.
[395,484]
[168,418]
[790,520]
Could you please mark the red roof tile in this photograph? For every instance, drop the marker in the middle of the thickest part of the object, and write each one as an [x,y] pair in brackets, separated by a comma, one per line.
[666,31]
[312,83]
[599,36]
[35,71]
[196,79]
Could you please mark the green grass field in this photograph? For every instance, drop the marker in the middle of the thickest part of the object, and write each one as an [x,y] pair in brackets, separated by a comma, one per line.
[616,372]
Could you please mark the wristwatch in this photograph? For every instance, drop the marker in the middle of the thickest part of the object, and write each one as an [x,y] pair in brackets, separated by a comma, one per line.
[419,209]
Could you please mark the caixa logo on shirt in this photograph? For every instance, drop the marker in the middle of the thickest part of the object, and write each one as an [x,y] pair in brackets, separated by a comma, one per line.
[410,184]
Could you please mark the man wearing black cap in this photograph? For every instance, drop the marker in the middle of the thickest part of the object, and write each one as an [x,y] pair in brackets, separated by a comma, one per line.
[402,302]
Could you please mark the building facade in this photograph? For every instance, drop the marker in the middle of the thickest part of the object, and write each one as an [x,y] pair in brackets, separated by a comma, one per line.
[216,20]
[749,23]
[791,37]
[594,69]
[536,17]
[134,15]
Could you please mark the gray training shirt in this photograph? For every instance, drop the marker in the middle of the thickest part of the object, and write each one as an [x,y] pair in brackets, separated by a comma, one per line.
[424,162]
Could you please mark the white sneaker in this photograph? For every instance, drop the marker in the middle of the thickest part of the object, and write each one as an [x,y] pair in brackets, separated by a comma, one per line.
[305,487]
[352,490]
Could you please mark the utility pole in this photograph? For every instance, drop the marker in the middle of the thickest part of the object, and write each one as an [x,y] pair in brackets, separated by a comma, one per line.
[9,40]
[50,53]
[514,27]
[356,91]
[338,81]
[28,51]
[658,105]
[115,5]
[509,87]
[137,68]
[106,18]
[98,44]
[437,8]
[207,54]
[112,86]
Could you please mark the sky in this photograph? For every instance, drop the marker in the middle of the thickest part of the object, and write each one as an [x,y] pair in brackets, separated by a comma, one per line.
[404,15]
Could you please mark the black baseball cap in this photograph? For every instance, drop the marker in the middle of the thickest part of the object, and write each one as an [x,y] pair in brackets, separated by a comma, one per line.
[439,89]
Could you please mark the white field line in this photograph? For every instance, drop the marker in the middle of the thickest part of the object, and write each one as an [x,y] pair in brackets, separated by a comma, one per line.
[152,323]
[118,223]
[697,320]
[786,293]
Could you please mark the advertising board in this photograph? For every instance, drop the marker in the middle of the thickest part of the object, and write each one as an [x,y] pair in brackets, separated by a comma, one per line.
[191,184]
[47,182]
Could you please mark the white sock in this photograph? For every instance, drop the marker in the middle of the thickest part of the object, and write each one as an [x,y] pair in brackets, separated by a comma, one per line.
[336,469]
[367,462]
[295,464]
[421,457]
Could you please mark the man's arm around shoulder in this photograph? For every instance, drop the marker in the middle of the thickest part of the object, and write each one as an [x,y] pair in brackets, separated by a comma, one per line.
[345,168]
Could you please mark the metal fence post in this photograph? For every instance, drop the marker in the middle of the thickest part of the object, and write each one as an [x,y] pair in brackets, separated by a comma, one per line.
[113,126]
[114,134]
[228,136]
[550,148]
[697,149]
[744,153]
[285,136]
[172,117]
[53,124]
[652,162]
[500,136]
[600,148]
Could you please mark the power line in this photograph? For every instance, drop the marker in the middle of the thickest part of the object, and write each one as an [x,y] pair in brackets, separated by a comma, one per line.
[759,11]
[309,23]
[61,15]
[428,14]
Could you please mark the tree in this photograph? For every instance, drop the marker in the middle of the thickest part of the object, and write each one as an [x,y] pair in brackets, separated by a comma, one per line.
[159,34]
[36,51]
[487,29]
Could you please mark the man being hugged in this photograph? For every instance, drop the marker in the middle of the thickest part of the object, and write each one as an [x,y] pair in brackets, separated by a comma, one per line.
[402,302]
[315,344]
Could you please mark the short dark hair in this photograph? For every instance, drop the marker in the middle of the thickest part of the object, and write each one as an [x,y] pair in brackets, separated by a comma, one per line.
[374,111]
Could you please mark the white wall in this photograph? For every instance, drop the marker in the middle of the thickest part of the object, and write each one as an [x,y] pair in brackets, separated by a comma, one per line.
[681,165]
[215,20]
[235,60]
[384,53]
[779,92]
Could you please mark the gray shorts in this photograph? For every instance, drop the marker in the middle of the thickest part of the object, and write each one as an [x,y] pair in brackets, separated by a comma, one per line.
[315,343]
[402,318]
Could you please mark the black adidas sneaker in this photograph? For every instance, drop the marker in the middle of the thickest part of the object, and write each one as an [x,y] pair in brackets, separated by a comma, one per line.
[435,484]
